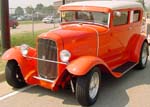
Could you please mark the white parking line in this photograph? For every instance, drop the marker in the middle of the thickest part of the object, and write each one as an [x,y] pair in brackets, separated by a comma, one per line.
[15,92]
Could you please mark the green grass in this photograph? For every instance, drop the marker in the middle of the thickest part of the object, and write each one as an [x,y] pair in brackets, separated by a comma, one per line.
[29,22]
[2,65]
[21,38]
[25,38]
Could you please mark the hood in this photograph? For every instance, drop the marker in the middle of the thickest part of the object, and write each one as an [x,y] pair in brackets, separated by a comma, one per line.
[77,37]
[75,32]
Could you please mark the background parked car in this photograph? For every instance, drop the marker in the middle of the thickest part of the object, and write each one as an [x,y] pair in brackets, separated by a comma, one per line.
[48,19]
[13,23]
[20,18]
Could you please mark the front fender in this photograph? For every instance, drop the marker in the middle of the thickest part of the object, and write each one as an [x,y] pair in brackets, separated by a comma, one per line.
[26,65]
[83,65]
[15,53]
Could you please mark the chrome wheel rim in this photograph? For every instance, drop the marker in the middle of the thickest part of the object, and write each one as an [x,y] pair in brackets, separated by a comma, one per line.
[144,55]
[94,85]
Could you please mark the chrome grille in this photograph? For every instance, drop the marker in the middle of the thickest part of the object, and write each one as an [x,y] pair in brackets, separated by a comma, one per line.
[47,49]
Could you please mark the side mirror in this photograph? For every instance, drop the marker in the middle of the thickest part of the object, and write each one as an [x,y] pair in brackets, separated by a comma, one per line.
[117,13]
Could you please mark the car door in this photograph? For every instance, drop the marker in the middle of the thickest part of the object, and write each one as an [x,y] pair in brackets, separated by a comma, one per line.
[119,37]
[135,21]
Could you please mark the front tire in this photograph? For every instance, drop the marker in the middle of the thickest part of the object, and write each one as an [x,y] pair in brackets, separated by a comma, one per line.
[143,56]
[13,75]
[87,87]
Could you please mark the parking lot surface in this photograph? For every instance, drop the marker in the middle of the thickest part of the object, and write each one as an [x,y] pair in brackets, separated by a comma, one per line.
[132,90]
[37,27]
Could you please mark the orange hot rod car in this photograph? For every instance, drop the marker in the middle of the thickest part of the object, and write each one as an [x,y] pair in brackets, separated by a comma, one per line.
[94,38]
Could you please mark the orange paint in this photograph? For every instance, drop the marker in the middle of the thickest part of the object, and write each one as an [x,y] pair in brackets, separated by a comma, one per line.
[89,44]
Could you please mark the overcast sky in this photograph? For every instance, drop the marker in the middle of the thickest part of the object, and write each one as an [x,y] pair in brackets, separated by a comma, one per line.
[25,3]
[147,2]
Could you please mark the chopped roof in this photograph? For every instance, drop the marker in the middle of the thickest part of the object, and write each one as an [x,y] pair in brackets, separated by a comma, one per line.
[114,5]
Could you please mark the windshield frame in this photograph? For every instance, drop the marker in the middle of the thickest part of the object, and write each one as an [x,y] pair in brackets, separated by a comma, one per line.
[86,22]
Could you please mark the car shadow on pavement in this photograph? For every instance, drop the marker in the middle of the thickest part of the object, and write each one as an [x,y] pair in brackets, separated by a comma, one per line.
[113,92]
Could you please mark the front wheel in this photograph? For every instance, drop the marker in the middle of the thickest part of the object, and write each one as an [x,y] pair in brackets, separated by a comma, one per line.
[87,87]
[13,75]
[143,56]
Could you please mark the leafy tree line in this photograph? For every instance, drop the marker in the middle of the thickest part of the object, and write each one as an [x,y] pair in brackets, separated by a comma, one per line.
[46,10]
[40,8]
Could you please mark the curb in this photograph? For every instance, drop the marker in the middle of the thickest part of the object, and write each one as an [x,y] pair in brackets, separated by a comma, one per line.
[2,77]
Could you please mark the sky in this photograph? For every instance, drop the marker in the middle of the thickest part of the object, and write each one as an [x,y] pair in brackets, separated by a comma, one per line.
[25,3]
[147,2]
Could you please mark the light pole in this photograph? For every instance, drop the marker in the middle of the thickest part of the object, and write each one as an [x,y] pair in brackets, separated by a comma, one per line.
[5,30]
[63,2]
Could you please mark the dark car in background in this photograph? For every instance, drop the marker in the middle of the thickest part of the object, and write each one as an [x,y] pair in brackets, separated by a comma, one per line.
[13,23]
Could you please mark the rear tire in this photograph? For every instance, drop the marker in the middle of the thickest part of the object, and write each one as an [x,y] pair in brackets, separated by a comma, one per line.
[87,87]
[13,75]
[143,56]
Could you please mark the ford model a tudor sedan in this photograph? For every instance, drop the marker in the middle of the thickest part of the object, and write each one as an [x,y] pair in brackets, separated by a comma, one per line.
[94,38]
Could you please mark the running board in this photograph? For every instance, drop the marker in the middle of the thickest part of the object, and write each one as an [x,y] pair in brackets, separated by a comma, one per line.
[125,67]
[43,79]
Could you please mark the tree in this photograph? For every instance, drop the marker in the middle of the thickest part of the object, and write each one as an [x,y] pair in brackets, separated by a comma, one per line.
[19,11]
[39,7]
[50,10]
[29,10]
[143,3]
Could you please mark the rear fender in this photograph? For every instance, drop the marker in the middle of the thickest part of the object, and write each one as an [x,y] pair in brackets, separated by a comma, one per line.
[26,65]
[134,47]
[83,65]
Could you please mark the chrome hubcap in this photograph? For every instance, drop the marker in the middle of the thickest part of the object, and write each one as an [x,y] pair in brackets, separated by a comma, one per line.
[144,55]
[94,85]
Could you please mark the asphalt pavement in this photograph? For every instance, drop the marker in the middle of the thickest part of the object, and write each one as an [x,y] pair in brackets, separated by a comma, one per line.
[132,90]
[36,27]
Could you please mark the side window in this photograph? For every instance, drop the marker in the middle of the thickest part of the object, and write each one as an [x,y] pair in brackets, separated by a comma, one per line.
[120,18]
[135,16]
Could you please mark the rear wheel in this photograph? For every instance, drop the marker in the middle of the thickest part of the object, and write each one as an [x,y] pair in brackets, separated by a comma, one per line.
[143,56]
[87,87]
[13,75]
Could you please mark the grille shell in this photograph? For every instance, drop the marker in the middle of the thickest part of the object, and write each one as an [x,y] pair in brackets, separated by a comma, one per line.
[47,49]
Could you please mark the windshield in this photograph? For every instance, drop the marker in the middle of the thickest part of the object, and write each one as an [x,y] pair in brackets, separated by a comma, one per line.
[84,16]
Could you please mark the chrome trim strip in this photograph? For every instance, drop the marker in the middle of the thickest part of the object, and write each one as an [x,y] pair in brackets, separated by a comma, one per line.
[40,78]
[72,87]
[129,69]
[108,24]
[97,34]
[46,60]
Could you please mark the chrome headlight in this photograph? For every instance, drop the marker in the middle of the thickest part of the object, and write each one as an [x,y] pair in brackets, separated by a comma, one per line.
[24,49]
[65,55]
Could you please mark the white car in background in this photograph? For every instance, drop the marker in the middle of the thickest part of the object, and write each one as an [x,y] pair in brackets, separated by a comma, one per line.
[48,19]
